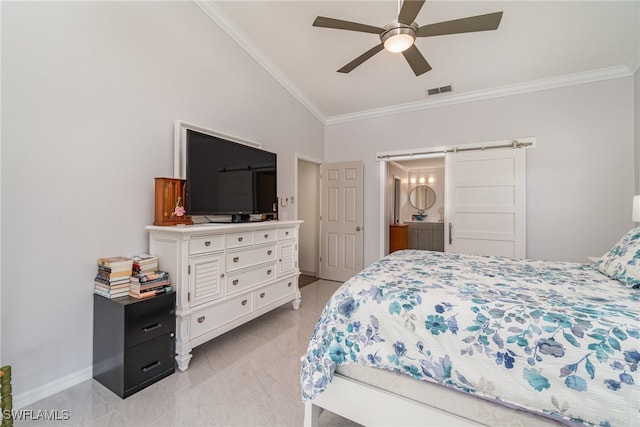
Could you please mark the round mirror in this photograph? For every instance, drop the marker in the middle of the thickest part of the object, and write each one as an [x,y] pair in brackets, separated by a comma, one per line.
[422,197]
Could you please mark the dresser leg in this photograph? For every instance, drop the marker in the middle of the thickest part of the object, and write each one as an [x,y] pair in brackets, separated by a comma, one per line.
[296,302]
[183,361]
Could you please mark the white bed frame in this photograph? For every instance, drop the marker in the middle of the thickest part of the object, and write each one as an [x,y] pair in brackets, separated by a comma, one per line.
[372,406]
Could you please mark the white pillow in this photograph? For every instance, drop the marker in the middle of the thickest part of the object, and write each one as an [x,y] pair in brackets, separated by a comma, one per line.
[622,262]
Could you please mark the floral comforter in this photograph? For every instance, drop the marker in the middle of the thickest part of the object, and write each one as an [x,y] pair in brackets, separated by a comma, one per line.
[555,338]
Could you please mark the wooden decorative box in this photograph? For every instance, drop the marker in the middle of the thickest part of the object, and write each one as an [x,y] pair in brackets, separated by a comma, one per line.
[170,194]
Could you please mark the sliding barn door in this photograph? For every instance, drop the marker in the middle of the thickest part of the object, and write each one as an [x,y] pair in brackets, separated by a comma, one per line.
[485,211]
[341,220]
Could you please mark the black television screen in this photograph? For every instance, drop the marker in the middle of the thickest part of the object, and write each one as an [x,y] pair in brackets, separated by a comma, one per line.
[228,178]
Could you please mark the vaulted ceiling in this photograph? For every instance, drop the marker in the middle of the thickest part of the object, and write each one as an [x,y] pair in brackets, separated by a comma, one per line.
[539,44]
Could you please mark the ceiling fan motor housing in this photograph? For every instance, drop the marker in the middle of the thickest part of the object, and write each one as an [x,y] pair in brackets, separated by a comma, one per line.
[398,29]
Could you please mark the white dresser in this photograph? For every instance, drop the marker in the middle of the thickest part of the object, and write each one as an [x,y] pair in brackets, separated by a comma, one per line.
[225,275]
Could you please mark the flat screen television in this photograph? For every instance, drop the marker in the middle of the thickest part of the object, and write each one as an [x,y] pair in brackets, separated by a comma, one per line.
[228,178]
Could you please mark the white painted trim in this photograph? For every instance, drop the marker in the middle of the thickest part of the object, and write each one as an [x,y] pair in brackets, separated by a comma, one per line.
[180,144]
[532,86]
[239,37]
[27,398]
[384,219]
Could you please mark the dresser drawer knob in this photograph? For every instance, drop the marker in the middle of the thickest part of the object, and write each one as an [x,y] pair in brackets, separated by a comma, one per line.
[286,233]
[269,271]
[244,302]
[235,282]
[236,259]
[266,236]
[262,295]
[289,284]
[151,328]
[207,243]
[269,252]
[151,366]
[239,239]
[222,275]
[201,319]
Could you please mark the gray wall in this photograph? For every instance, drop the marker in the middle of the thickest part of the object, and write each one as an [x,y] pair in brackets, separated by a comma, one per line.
[90,92]
[580,178]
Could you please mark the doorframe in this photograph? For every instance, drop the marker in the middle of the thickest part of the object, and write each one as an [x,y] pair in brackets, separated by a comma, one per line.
[319,163]
[426,153]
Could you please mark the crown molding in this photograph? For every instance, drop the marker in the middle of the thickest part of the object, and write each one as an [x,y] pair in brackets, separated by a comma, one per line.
[480,95]
[239,37]
[215,14]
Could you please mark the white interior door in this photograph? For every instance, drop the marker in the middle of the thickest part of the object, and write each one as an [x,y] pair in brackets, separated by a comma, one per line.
[485,212]
[341,220]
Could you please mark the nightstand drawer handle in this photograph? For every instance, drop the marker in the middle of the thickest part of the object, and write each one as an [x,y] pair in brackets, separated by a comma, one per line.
[207,243]
[236,259]
[262,295]
[201,319]
[235,282]
[239,239]
[269,271]
[269,252]
[244,302]
[151,366]
[151,328]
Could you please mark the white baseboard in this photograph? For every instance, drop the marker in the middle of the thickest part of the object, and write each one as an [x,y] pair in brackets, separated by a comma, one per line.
[27,398]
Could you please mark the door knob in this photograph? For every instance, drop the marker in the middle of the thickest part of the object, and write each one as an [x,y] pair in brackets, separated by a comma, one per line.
[358,228]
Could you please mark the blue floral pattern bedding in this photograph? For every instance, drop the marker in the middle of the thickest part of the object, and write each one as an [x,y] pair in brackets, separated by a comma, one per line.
[555,338]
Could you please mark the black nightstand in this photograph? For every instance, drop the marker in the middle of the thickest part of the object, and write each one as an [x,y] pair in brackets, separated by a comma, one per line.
[133,341]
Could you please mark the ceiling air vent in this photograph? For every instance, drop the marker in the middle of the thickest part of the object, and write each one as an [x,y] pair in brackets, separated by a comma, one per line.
[437,90]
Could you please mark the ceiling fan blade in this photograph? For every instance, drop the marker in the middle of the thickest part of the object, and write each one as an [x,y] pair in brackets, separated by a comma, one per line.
[338,24]
[360,59]
[416,61]
[409,11]
[471,24]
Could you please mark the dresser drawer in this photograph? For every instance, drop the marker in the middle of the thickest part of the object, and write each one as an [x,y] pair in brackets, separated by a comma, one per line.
[206,244]
[150,318]
[147,362]
[237,240]
[238,282]
[271,293]
[264,236]
[214,316]
[249,257]
[286,233]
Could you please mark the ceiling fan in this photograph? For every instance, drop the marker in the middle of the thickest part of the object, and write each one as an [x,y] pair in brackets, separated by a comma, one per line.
[400,35]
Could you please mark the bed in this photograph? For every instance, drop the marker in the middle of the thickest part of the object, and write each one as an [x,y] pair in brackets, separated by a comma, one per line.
[431,338]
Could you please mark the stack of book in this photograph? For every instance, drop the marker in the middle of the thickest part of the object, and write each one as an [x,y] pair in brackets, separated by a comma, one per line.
[114,277]
[147,285]
[144,263]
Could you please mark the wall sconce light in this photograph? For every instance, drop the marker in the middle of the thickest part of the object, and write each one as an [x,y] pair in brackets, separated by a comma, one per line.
[431,180]
[422,180]
[412,180]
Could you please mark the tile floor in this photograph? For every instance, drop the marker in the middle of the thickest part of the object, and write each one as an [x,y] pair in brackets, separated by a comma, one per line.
[246,377]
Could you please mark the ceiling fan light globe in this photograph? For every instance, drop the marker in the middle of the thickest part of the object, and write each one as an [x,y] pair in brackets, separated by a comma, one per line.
[398,43]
